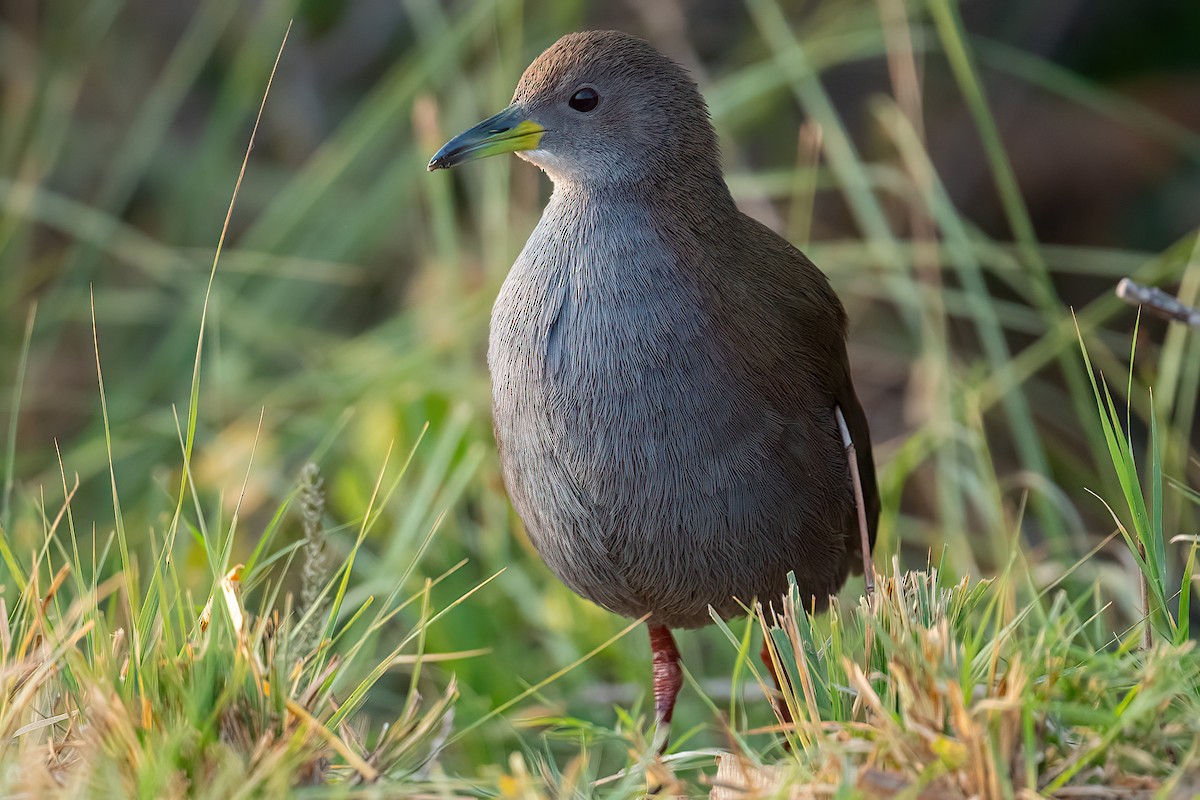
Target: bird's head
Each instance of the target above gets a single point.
(598, 108)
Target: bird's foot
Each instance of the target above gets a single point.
(662, 735)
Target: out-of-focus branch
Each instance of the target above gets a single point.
(1158, 302)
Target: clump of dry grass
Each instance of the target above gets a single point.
(969, 697)
(968, 694)
(225, 702)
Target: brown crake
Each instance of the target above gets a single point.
(667, 373)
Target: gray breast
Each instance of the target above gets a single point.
(650, 474)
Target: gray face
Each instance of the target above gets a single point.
(598, 108)
(612, 107)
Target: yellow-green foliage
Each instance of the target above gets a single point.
(186, 608)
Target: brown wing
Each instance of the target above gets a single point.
(796, 341)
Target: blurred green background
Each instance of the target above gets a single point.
(959, 219)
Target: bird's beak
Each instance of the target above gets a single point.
(507, 132)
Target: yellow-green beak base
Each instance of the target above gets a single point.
(507, 132)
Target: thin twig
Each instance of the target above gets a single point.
(1158, 302)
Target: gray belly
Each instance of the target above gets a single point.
(650, 476)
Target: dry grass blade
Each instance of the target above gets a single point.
(353, 759)
(948, 717)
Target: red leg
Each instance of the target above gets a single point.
(668, 678)
(781, 708)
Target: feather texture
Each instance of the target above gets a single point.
(665, 369)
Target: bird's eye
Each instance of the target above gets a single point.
(584, 100)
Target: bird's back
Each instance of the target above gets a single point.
(664, 410)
